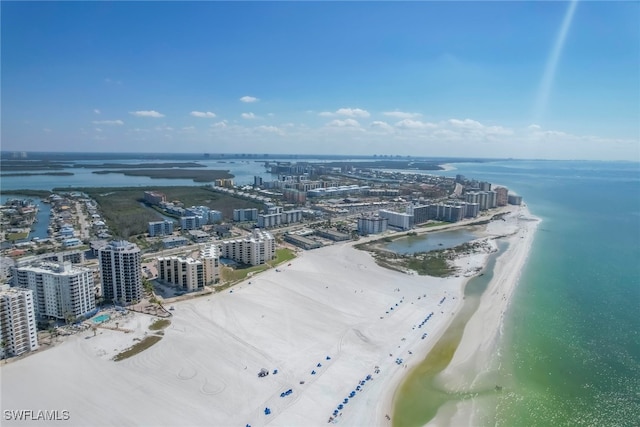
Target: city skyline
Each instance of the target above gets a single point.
(553, 80)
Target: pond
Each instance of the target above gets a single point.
(431, 241)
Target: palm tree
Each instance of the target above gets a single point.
(51, 330)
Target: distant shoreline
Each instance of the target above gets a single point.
(36, 173)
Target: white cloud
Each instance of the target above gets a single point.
(249, 99)
(381, 126)
(349, 112)
(108, 122)
(477, 129)
(148, 113)
(208, 114)
(353, 112)
(415, 124)
(47, 130)
(270, 129)
(401, 114)
(96, 111)
(248, 116)
(189, 128)
(164, 128)
(344, 123)
(219, 125)
(466, 124)
(98, 130)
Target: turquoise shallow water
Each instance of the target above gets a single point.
(571, 352)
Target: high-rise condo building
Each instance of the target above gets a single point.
(120, 272)
(17, 321)
(60, 290)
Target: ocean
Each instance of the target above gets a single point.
(571, 349)
(570, 354)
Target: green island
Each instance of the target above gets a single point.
(142, 165)
(37, 173)
(207, 175)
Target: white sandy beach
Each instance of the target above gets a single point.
(333, 312)
(473, 367)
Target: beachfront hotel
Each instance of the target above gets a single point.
(60, 290)
(255, 249)
(370, 224)
(189, 273)
(17, 321)
(120, 272)
(401, 220)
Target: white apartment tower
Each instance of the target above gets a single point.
(17, 321)
(120, 272)
(189, 273)
(60, 290)
(255, 249)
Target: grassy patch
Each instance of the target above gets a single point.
(432, 264)
(159, 324)
(137, 348)
(17, 236)
(235, 275)
(282, 255)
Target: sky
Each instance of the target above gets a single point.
(552, 80)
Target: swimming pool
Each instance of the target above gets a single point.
(101, 318)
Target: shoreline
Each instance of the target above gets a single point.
(472, 365)
(325, 323)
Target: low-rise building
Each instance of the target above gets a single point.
(174, 242)
(191, 222)
(302, 241)
(160, 228)
(334, 235)
(199, 236)
(154, 197)
(243, 215)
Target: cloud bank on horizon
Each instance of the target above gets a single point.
(415, 78)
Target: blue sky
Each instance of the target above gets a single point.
(414, 78)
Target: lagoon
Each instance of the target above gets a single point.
(431, 241)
